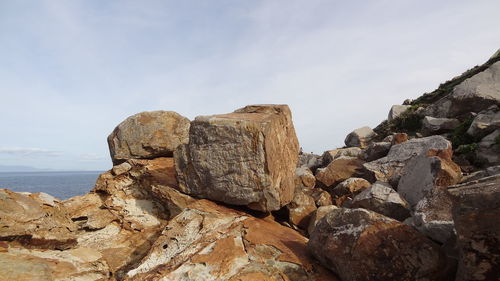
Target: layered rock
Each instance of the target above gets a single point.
(35, 221)
(476, 208)
(360, 137)
(211, 242)
(147, 135)
(247, 157)
(358, 244)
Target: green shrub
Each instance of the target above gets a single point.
(459, 135)
(467, 148)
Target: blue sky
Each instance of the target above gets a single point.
(70, 71)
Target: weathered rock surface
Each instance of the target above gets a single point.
(301, 209)
(304, 178)
(310, 161)
(329, 155)
(318, 215)
(434, 126)
(210, 242)
(381, 198)
(17, 263)
(35, 221)
(432, 216)
(360, 137)
(375, 151)
(320, 196)
(147, 135)
(247, 157)
(396, 138)
(347, 189)
(488, 151)
(388, 169)
(476, 209)
(339, 170)
(474, 94)
(396, 111)
(485, 122)
(358, 244)
(425, 173)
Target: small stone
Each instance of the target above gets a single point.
(339, 170)
(347, 189)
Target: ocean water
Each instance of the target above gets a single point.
(62, 185)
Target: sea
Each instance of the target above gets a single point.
(62, 185)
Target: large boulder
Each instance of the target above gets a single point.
(375, 151)
(147, 135)
(247, 157)
(434, 126)
(301, 209)
(474, 94)
(318, 215)
(388, 169)
(432, 216)
(381, 198)
(210, 242)
(358, 244)
(339, 170)
(424, 173)
(485, 122)
(360, 137)
(476, 209)
(396, 111)
(488, 150)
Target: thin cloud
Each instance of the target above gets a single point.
(91, 157)
(29, 151)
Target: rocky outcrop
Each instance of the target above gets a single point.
(476, 208)
(247, 157)
(210, 242)
(474, 94)
(148, 135)
(35, 221)
(360, 137)
(358, 244)
(381, 198)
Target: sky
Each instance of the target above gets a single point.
(70, 71)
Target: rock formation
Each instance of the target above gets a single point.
(231, 197)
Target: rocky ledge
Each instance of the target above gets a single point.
(231, 197)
